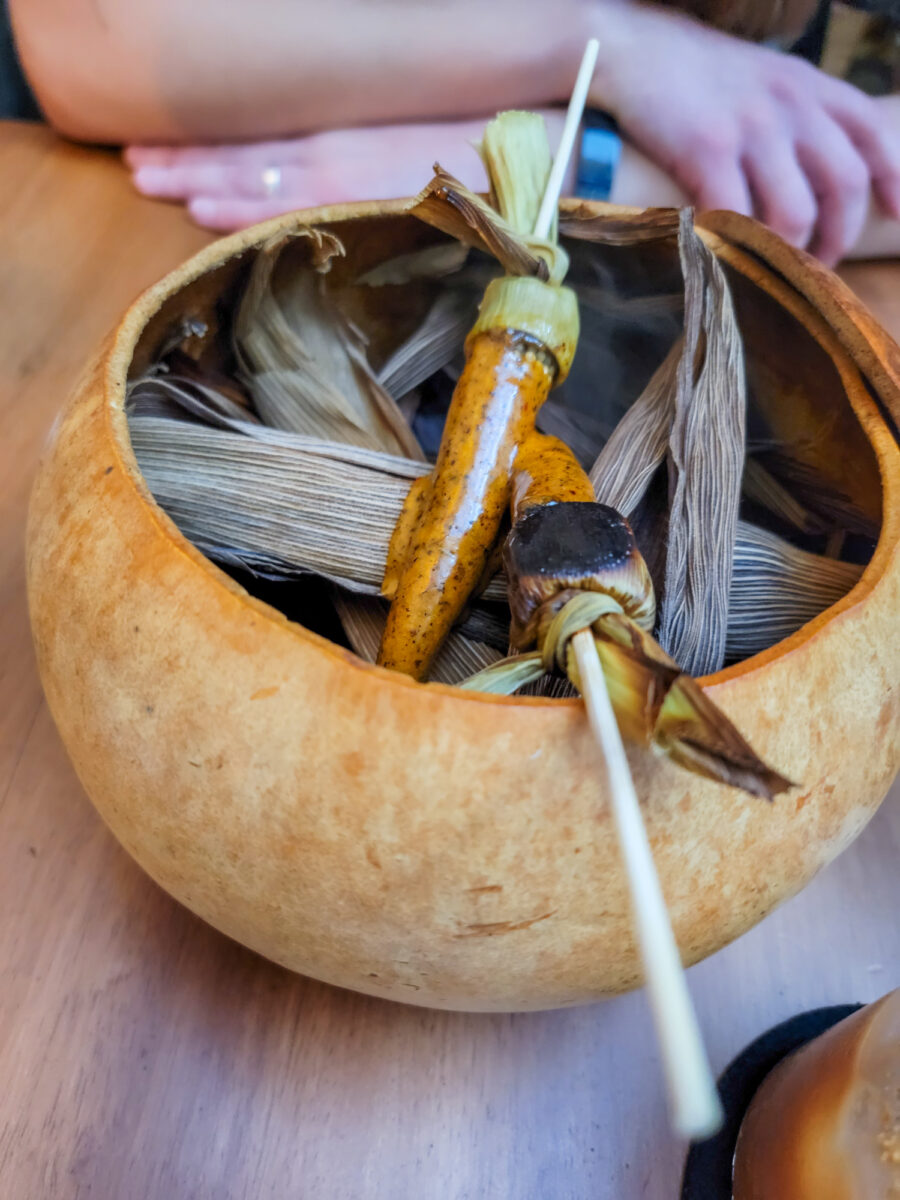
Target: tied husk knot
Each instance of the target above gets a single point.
(516, 153)
(655, 703)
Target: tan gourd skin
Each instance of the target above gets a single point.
(505, 381)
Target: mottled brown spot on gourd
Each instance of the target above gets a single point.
(264, 693)
(352, 764)
(493, 928)
(887, 716)
(373, 858)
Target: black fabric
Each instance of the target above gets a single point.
(16, 97)
(811, 43)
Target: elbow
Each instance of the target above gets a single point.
(81, 110)
(85, 82)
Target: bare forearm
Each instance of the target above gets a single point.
(140, 70)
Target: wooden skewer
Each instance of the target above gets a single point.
(567, 141)
(694, 1102)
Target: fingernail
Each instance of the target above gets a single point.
(150, 179)
(202, 209)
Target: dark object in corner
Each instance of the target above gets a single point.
(707, 1172)
(16, 97)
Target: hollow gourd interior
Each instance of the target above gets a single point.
(631, 301)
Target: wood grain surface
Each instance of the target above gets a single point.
(142, 1055)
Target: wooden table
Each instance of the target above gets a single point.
(142, 1055)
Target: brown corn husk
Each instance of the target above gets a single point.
(764, 489)
(692, 413)
(829, 508)
(448, 205)
(624, 227)
(706, 457)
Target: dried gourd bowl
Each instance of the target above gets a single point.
(418, 842)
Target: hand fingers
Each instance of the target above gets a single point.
(224, 214)
(839, 178)
(876, 137)
(722, 184)
(783, 198)
(238, 154)
(301, 189)
(180, 180)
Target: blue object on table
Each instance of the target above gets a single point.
(599, 154)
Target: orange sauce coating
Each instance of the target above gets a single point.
(547, 472)
(504, 383)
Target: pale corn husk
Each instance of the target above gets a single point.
(432, 345)
(305, 364)
(285, 507)
(516, 153)
(547, 313)
(639, 444)
(431, 262)
(783, 585)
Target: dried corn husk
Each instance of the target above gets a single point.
(516, 154)
(639, 444)
(776, 588)
(287, 505)
(432, 345)
(654, 701)
(283, 503)
(763, 488)
(363, 618)
(830, 508)
(283, 507)
(706, 458)
(305, 364)
(692, 414)
(451, 207)
(431, 262)
(621, 228)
